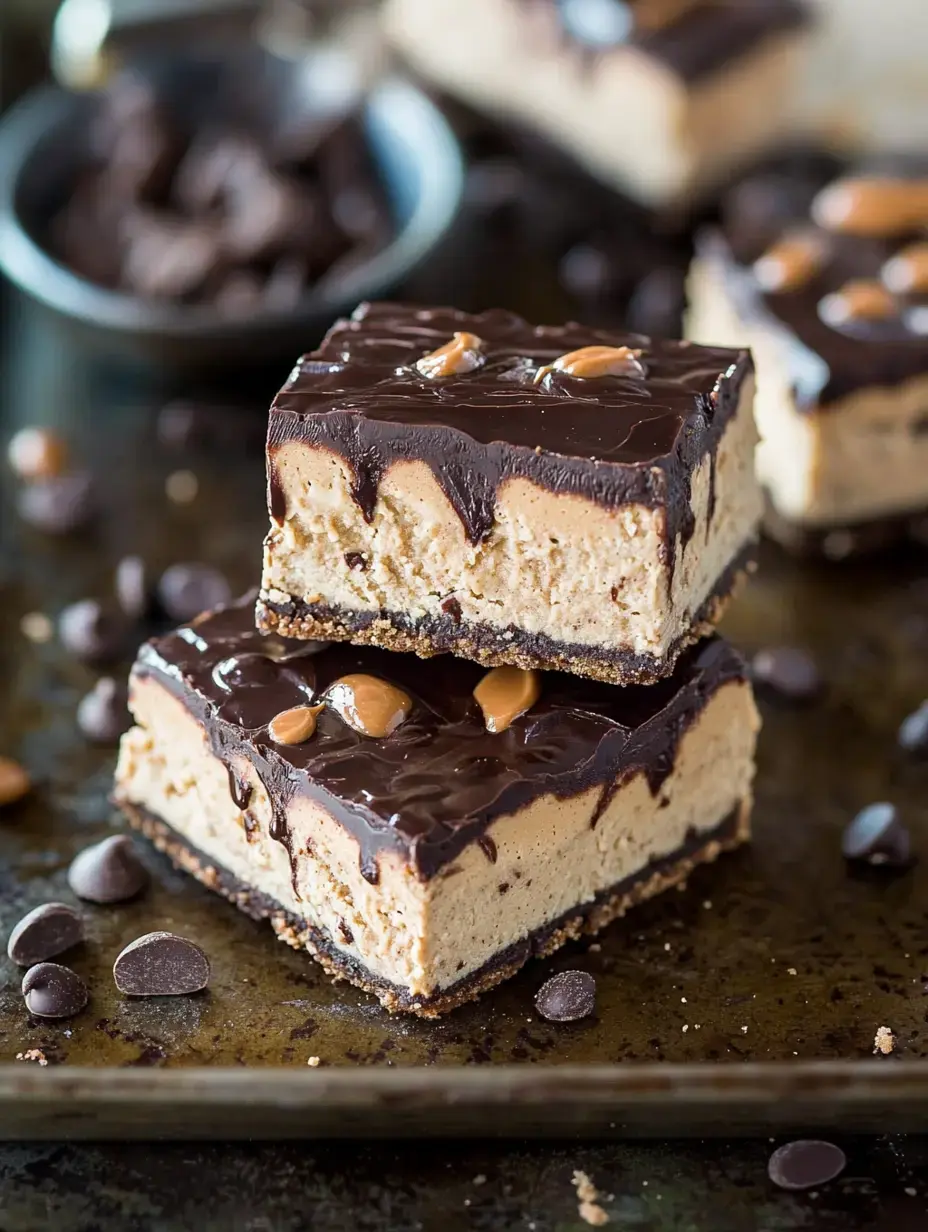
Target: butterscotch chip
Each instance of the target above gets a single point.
(791, 263)
(294, 726)
(595, 361)
(872, 206)
(368, 704)
(907, 272)
(462, 354)
(36, 453)
(861, 300)
(506, 692)
(14, 781)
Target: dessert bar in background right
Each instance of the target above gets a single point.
(825, 277)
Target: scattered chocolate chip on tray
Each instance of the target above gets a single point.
(108, 872)
(185, 590)
(878, 836)
(103, 714)
(805, 1164)
(92, 631)
(52, 991)
(161, 964)
(567, 997)
(45, 932)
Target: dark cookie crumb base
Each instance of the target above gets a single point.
(847, 540)
(608, 905)
(494, 647)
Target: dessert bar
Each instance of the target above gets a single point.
(827, 282)
(661, 98)
(423, 829)
(538, 497)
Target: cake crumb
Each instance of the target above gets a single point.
(884, 1041)
(33, 1054)
(314, 1062)
(791, 971)
(588, 1196)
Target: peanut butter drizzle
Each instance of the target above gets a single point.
(294, 726)
(907, 272)
(460, 355)
(595, 361)
(872, 206)
(861, 300)
(368, 704)
(790, 263)
(655, 14)
(504, 693)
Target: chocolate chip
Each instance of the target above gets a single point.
(45, 932)
(913, 732)
(108, 872)
(36, 453)
(58, 505)
(188, 589)
(91, 631)
(356, 561)
(103, 714)
(877, 836)
(567, 997)
(805, 1164)
(14, 781)
(133, 587)
(161, 965)
(788, 671)
(452, 607)
(53, 992)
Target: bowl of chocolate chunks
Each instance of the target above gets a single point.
(209, 212)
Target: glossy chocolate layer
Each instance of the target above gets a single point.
(439, 781)
(612, 439)
(826, 363)
(694, 44)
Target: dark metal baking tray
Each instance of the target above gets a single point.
(780, 962)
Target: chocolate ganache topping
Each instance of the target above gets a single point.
(438, 782)
(833, 261)
(635, 435)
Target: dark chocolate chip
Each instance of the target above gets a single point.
(108, 872)
(877, 836)
(44, 933)
(52, 991)
(58, 505)
(788, 671)
(161, 965)
(913, 732)
(186, 590)
(356, 560)
(567, 997)
(452, 607)
(103, 715)
(805, 1164)
(134, 590)
(91, 631)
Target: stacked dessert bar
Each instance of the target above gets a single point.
(480, 707)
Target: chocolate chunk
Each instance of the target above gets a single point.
(14, 781)
(168, 258)
(52, 991)
(36, 453)
(91, 631)
(44, 933)
(788, 671)
(913, 732)
(108, 872)
(133, 587)
(567, 997)
(161, 965)
(356, 561)
(188, 589)
(58, 505)
(805, 1164)
(877, 836)
(103, 714)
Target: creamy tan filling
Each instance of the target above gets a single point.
(554, 564)
(864, 456)
(425, 936)
(623, 114)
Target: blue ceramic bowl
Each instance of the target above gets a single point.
(43, 145)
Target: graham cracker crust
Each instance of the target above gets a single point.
(495, 647)
(590, 918)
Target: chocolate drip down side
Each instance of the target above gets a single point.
(441, 779)
(613, 440)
